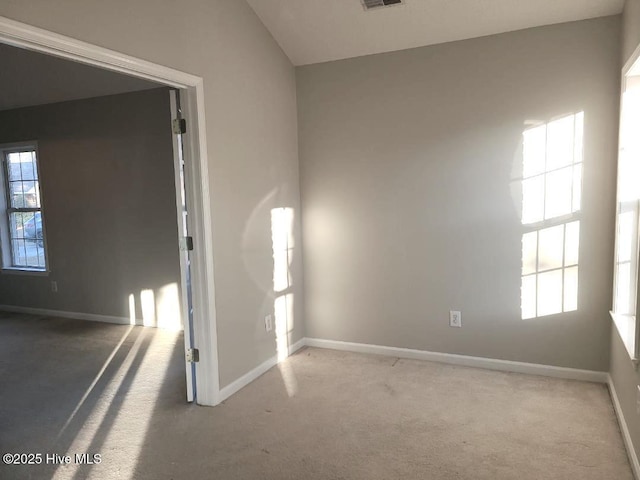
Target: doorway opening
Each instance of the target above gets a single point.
(191, 188)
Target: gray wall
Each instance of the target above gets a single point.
(106, 167)
(250, 107)
(411, 204)
(625, 378)
(64, 80)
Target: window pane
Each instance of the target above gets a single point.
(550, 248)
(34, 254)
(550, 293)
(19, 252)
(571, 289)
(624, 285)
(23, 180)
(630, 118)
(626, 237)
(27, 239)
(558, 196)
(24, 194)
(560, 138)
(28, 253)
(533, 199)
(628, 172)
(16, 227)
(28, 165)
(13, 165)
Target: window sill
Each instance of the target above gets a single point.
(626, 325)
(25, 271)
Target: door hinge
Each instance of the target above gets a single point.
(179, 126)
(186, 244)
(193, 355)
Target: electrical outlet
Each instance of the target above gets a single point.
(268, 322)
(455, 318)
(54, 286)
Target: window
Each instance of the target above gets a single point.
(551, 196)
(23, 239)
(625, 285)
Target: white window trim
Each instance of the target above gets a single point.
(5, 240)
(627, 325)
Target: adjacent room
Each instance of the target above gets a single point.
(269, 239)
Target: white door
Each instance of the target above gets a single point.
(184, 241)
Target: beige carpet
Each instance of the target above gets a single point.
(321, 415)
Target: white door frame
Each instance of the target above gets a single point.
(32, 38)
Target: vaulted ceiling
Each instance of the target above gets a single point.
(313, 31)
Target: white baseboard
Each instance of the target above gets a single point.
(250, 376)
(75, 315)
(626, 436)
(464, 360)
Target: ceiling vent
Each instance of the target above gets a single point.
(372, 4)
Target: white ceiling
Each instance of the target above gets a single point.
(29, 78)
(313, 31)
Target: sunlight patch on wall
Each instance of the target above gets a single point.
(282, 237)
(550, 270)
(132, 309)
(283, 243)
(168, 307)
(551, 200)
(160, 308)
(148, 304)
(283, 308)
(552, 169)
